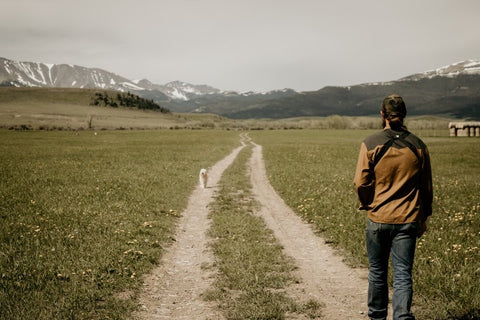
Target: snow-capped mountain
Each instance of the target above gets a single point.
(449, 90)
(452, 90)
(35, 74)
(185, 91)
(467, 67)
(177, 89)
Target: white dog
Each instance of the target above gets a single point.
(203, 178)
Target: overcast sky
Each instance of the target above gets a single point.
(245, 45)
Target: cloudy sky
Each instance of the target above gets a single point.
(245, 45)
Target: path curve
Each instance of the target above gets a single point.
(173, 289)
(323, 275)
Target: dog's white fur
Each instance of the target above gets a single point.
(203, 178)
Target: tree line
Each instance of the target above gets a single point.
(128, 100)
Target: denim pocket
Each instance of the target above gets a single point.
(411, 228)
(372, 227)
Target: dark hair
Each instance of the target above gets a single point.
(395, 123)
(394, 110)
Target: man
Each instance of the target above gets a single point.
(393, 181)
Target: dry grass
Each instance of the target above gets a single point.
(70, 109)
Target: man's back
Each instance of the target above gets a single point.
(393, 182)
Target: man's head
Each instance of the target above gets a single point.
(393, 106)
(393, 110)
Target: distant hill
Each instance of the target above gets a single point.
(76, 109)
(455, 97)
(452, 90)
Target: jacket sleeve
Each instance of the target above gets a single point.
(363, 181)
(427, 186)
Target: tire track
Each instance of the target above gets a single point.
(173, 289)
(323, 275)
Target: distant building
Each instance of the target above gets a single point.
(464, 129)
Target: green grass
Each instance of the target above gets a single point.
(253, 272)
(448, 257)
(313, 171)
(84, 216)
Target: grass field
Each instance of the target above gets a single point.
(84, 216)
(313, 171)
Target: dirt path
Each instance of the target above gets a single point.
(323, 275)
(173, 289)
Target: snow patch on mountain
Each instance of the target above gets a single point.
(131, 86)
(468, 67)
(178, 95)
(50, 66)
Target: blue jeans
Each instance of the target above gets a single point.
(399, 240)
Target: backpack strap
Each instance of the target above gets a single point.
(382, 151)
(389, 143)
(409, 145)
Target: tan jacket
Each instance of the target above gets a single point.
(399, 189)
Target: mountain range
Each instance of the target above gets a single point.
(452, 90)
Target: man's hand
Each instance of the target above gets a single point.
(423, 228)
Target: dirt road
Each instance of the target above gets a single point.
(173, 290)
(323, 274)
